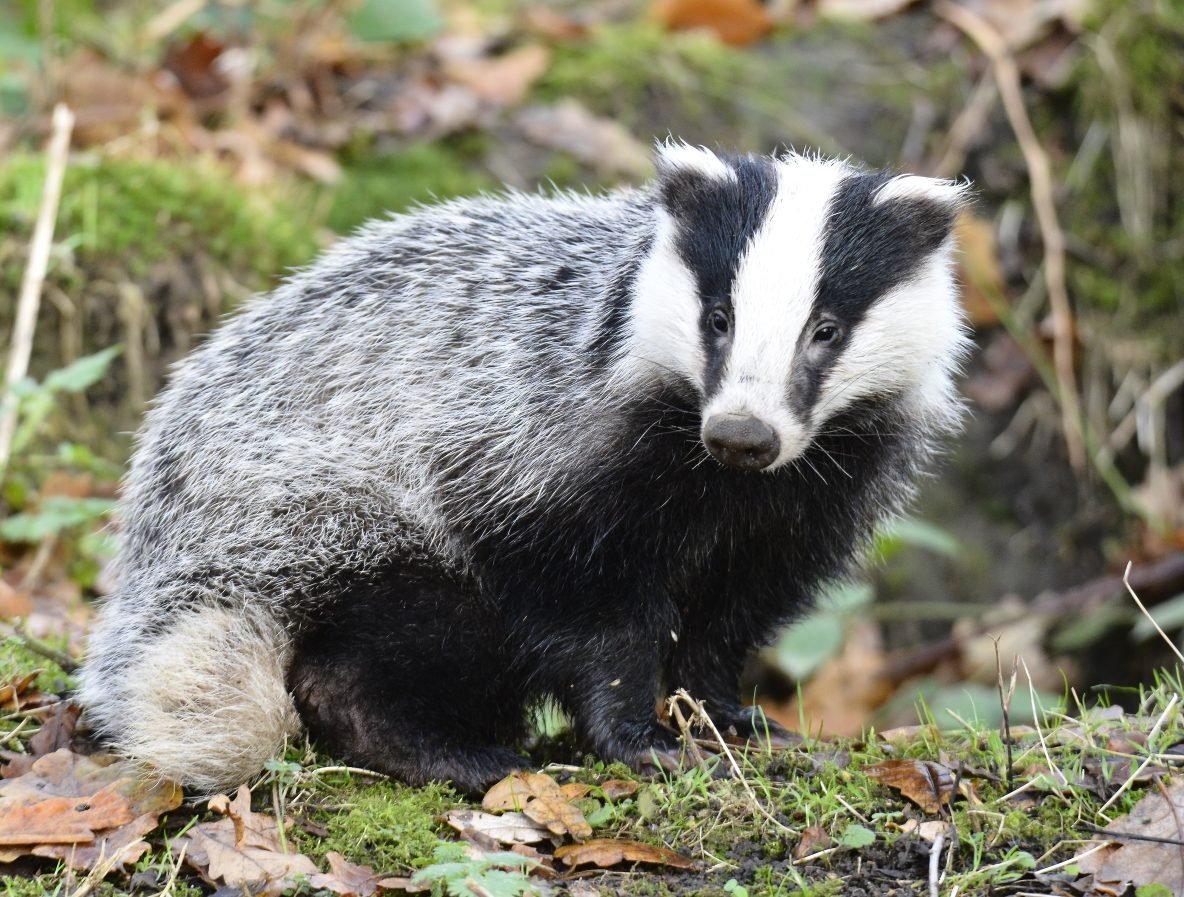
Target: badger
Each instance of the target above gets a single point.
(523, 448)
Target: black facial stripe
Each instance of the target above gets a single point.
(867, 250)
(715, 220)
(611, 329)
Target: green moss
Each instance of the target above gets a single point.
(626, 70)
(1127, 87)
(376, 185)
(139, 212)
(393, 827)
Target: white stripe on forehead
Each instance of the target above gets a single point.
(773, 292)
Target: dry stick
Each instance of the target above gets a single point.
(1007, 76)
(935, 863)
(1126, 581)
(30, 295)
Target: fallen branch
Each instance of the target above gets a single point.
(30, 296)
(1007, 77)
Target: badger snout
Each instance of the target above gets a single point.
(741, 441)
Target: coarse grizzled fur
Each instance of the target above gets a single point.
(465, 463)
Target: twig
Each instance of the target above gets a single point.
(703, 719)
(65, 661)
(30, 296)
(1126, 581)
(1007, 76)
(1005, 706)
(1134, 776)
(935, 863)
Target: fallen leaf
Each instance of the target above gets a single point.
(615, 789)
(929, 830)
(982, 274)
(602, 144)
(18, 692)
(243, 850)
(14, 602)
(346, 878)
(606, 852)
(814, 839)
(927, 784)
(56, 732)
(735, 22)
(541, 799)
(501, 80)
(575, 790)
(508, 828)
(1140, 863)
(82, 809)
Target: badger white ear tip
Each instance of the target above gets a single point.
(671, 155)
(914, 186)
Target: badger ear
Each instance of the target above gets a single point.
(948, 195)
(685, 170)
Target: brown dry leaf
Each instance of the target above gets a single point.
(508, 828)
(346, 878)
(607, 852)
(575, 790)
(735, 22)
(1140, 863)
(617, 788)
(840, 697)
(1004, 374)
(813, 840)
(602, 144)
(540, 798)
(243, 850)
(553, 25)
(982, 274)
(18, 692)
(127, 842)
(14, 602)
(501, 80)
(927, 784)
(95, 805)
(56, 732)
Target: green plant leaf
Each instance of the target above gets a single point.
(806, 645)
(80, 374)
(52, 517)
(1168, 614)
(909, 532)
(399, 21)
(857, 836)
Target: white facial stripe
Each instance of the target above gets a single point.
(666, 314)
(773, 294)
(698, 159)
(908, 340)
(912, 186)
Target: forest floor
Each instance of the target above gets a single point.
(216, 145)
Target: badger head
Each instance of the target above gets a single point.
(786, 290)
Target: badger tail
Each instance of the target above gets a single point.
(202, 702)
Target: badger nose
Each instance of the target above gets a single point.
(743, 442)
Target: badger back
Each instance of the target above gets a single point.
(788, 291)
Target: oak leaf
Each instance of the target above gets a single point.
(243, 850)
(927, 784)
(540, 798)
(83, 810)
(606, 852)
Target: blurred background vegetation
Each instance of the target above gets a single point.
(216, 145)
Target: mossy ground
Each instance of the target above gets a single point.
(742, 831)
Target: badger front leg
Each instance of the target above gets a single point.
(611, 685)
(728, 616)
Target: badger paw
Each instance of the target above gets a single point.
(750, 724)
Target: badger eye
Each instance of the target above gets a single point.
(720, 322)
(826, 334)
